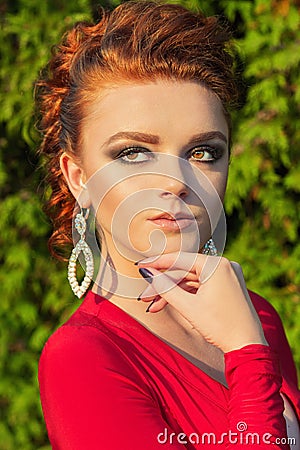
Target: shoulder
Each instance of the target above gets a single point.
(275, 334)
(265, 310)
(88, 383)
(81, 347)
(269, 317)
(86, 363)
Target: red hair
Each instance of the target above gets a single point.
(138, 41)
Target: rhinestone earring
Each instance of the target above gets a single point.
(81, 246)
(210, 248)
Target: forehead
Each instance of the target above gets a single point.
(167, 108)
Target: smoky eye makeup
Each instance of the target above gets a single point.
(206, 153)
(197, 152)
(133, 154)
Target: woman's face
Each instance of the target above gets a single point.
(149, 153)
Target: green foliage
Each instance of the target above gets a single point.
(262, 200)
(263, 192)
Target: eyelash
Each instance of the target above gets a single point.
(215, 152)
(131, 151)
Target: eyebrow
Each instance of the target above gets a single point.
(134, 136)
(153, 139)
(207, 136)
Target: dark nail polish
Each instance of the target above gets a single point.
(153, 301)
(146, 274)
(139, 298)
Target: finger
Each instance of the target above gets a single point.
(189, 286)
(158, 304)
(148, 294)
(170, 261)
(203, 266)
(176, 275)
(181, 274)
(169, 291)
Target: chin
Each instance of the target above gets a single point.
(159, 243)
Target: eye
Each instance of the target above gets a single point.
(134, 155)
(205, 153)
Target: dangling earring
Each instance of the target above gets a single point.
(210, 248)
(81, 246)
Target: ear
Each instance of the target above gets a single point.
(75, 177)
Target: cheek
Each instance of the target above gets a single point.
(220, 185)
(119, 205)
(218, 178)
(109, 206)
(211, 185)
(121, 217)
(211, 198)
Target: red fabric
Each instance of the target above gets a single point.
(108, 383)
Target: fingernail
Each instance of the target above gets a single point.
(146, 274)
(139, 298)
(147, 310)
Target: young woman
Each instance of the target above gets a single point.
(168, 348)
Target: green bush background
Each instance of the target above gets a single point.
(262, 200)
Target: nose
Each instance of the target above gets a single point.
(173, 187)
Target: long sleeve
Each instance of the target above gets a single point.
(255, 405)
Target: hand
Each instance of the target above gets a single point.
(216, 305)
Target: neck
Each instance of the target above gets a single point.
(118, 277)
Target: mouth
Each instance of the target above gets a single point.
(173, 222)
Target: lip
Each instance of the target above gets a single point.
(172, 222)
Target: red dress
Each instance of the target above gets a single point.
(108, 383)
